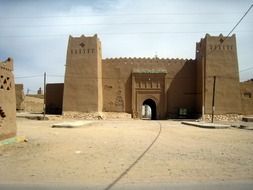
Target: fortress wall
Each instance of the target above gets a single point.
(182, 88)
(199, 78)
(20, 97)
(247, 97)
(82, 85)
(221, 61)
(92, 84)
(7, 100)
(117, 86)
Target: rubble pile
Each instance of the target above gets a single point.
(223, 117)
(92, 116)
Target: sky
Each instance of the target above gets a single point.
(35, 33)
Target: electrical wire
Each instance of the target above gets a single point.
(115, 33)
(115, 24)
(30, 76)
(78, 76)
(120, 15)
(227, 36)
(176, 32)
(247, 69)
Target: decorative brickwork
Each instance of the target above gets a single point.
(7, 100)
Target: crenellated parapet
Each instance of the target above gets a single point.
(7, 64)
(145, 61)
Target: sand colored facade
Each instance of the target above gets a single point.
(168, 86)
(7, 100)
(83, 77)
(20, 97)
(217, 57)
(247, 97)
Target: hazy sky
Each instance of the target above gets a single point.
(35, 32)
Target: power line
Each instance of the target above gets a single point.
(120, 15)
(240, 20)
(222, 41)
(114, 24)
(247, 69)
(30, 76)
(79, 76)
(117, 33)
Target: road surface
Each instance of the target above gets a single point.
(230, 185)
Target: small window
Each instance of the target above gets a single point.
(182, 111)
(247, 94)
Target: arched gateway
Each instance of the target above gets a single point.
(149, 106)
(148, 88)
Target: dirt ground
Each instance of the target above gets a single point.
(106, 151)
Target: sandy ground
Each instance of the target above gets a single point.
(103, 151)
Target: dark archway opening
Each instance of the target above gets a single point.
(149, 109)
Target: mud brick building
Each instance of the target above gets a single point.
(247, 97)
(20, 97)
(171, 87)
(7, 100)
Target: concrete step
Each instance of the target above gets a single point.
(206, 125)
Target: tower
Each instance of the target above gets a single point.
(83, 75)
(217, 58)
(8, 126)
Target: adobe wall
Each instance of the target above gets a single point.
(218, 57)
(247, 97)
(54, 98)
(83, 81)
(20, 97)
(34, 103)
(7, 100)
(180, 82)
(92, 84)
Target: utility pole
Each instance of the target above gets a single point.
(213, 107)
(44, 105)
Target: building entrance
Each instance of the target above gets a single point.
(148, 94)
(149, 109)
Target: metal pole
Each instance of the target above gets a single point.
(213, 107)
(44, 105)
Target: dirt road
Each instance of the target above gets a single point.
(103, 151)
